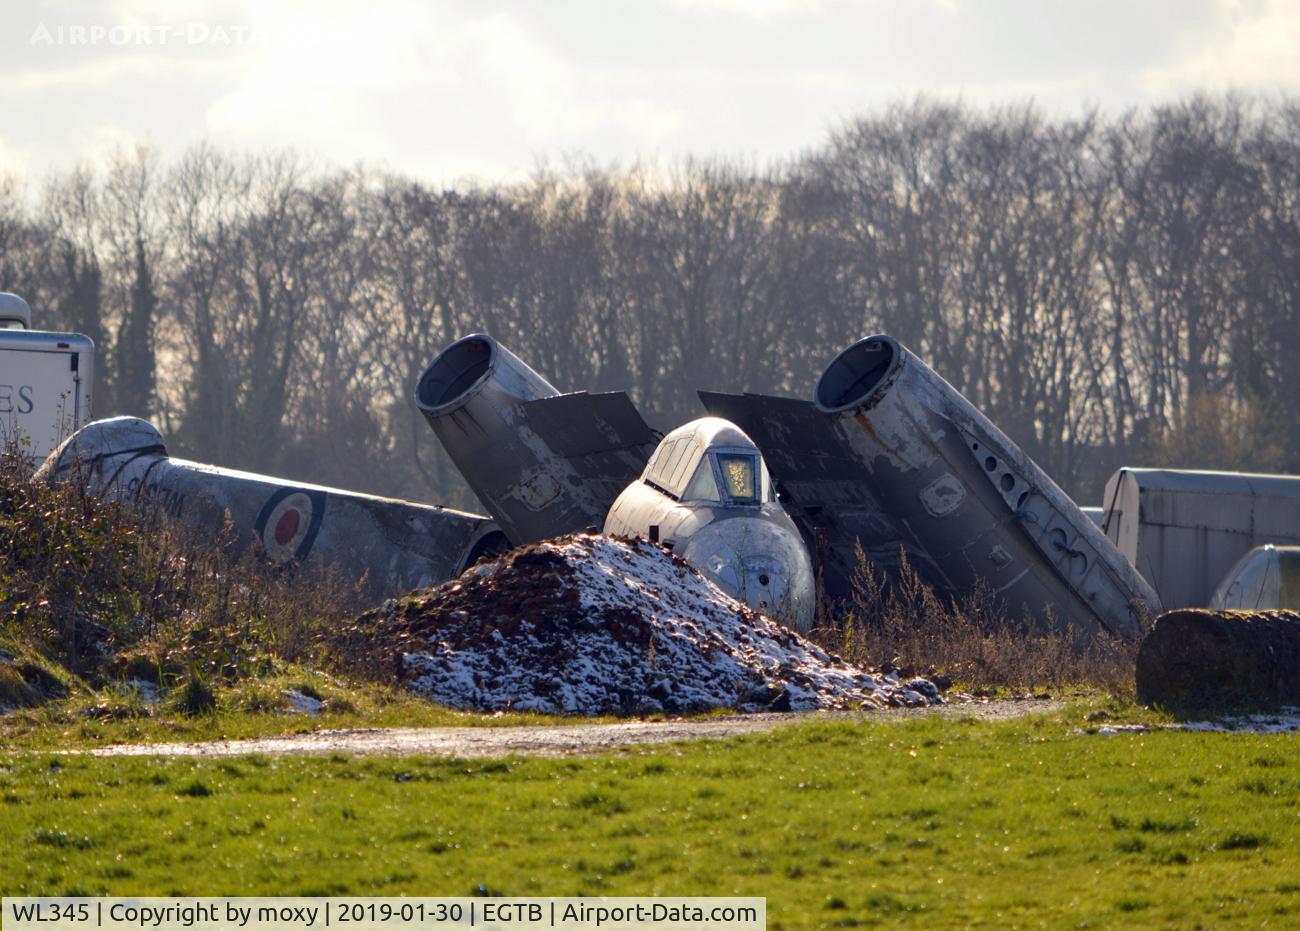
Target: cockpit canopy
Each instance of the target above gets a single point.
(710, 460)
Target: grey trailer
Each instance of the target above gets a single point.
(1265, 579)
(890, 456)
(1184, 529)
(541, 462)
(396, 545)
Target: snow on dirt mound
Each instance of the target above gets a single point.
(588, 624)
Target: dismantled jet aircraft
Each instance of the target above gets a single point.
(545, 463)
(397, 545)
(891, 457)
(541, 462)
(888, 457)
(707, 496)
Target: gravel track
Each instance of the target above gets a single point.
(548, 740)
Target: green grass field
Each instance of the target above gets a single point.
(931, 821)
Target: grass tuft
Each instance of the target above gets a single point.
(195, 696)
(196, 789)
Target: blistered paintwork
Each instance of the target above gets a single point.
(820, 485)
(903, 467)
(395, 545)
(759, 559)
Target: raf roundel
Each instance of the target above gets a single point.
(288, 523)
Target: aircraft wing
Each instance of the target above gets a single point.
(602, 438)
(820, 483)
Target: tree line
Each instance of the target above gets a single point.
(1109, 289)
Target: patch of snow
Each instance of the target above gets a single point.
(1285, 721)
(590, 625)
(147, 690)
(302, 704)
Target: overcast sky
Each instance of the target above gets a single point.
(447, 89)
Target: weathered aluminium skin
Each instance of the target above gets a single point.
(883, 464)
(545, 464)
(968, 500)
(542, 463)
(750, 548)
(397, 545)
(820, 484)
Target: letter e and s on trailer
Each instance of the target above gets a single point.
(45, 381)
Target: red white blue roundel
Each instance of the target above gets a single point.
(288, 523)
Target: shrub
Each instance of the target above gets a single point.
(112, 595)
(972, 639)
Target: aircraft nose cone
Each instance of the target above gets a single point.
(759, 562)
(764, 582)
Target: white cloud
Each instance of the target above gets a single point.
(101, 143)
(153, 11)
(317, 80)
(15, 159)
(451, 88)
(88, 74)
(1253, 45)
(329, 75)
(549, 98)
(753, 9)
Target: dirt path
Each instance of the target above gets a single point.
(545, 740)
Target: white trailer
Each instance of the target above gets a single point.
(45, 381)
(1185, 529)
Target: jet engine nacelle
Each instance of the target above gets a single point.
(706, 494)
(542, 463)
(398, 545)
(973, 506)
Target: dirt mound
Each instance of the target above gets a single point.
(591, 625)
